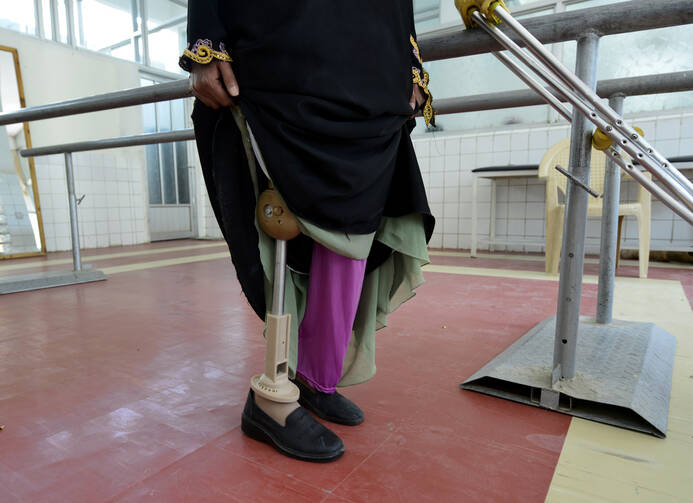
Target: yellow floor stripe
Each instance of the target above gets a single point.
(516, 274)
(138, 266)
(540, 258)
(604, 463)
(107, 256)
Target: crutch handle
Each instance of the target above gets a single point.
(488, 8)
(602, 141)
(466, 9)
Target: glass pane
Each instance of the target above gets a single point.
(168, 168)
(46, 21)
(62, 20)
(164, 11)
(642, 53)
(166, 22)
(152, 154)
(182, 167)
(166, 46)
(19, 17)
(168, 165)
(153, 174)
(178, 114)
(163, 116)
(106, 26)
(149, 116)
(124, 52)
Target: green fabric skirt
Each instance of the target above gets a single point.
(384, 289)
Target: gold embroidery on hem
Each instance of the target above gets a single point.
(428, 111)
(203, 52)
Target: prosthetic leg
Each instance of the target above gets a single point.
(278, 222)
(297, 434)
(612, 131)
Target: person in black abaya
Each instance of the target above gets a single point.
(329, 89)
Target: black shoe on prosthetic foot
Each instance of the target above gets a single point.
(332, 407)
(302, 437)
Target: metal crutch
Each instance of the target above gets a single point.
(589, 104)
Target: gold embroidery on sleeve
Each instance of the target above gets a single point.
(203, 52)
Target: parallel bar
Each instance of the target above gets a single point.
(622, 17)
(130, 97)
(575, 222)
(74, 225)
(609, 231)
(123, 141)
(629, 86)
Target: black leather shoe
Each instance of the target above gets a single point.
(302, 438)
(331, 407)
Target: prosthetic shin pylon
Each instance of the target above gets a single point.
(274, 384)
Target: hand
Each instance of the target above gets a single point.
(417, 98)
(214, 83)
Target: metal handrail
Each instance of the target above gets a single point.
(443, 44)
(122, 141)
(629, 86)
(118, 99)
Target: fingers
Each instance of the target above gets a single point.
(418, 95)
(229, 78)
(209, 87)
(200, 90)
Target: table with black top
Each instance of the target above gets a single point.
(683, 162)
(493, 173)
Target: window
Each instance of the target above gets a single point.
(166, 24)
(20, 17)
(110, 27)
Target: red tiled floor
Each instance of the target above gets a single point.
(131, 390)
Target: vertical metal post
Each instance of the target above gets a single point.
(38, 16)
(80, 24)
(609, 230)
(55, 20)
(70, 24)
(475, 201)
(573, 250)
(72, 201)
(144, 29)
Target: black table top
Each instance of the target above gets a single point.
(522, 167)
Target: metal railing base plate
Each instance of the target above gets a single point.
(623, 374)
(26, 282)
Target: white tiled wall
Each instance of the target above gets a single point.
(206, 221)
(114, 209)
(447, 159)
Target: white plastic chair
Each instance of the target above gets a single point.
(555, 210)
